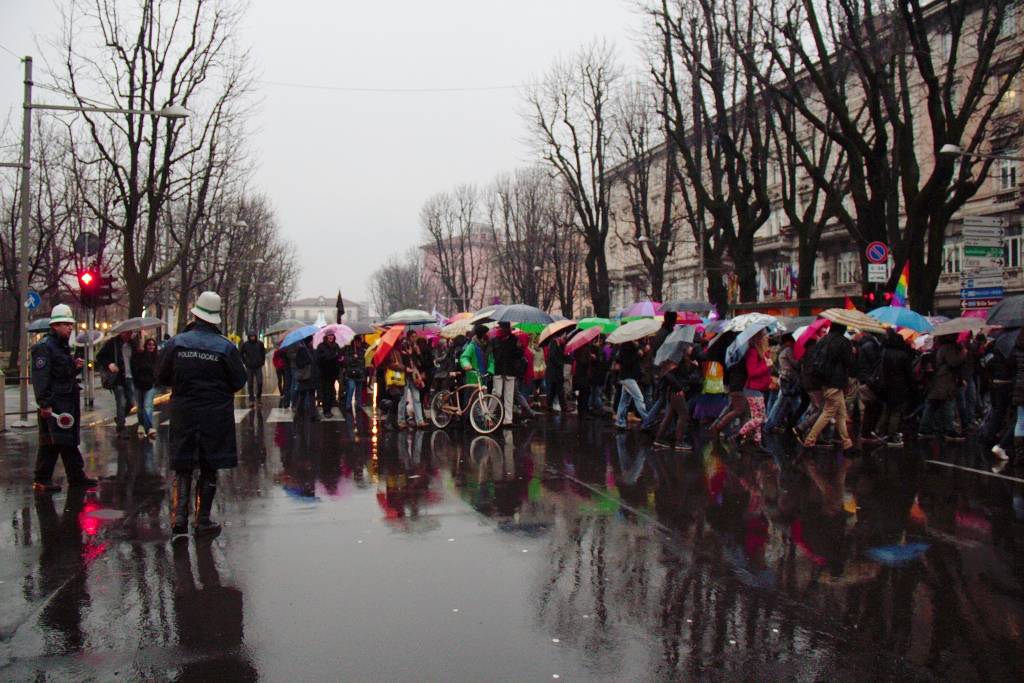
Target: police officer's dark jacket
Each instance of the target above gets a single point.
(55, 382)
(203, 370)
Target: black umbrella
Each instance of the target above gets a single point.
(687, 305)
(1009, 312)
(521, 313)
(1005, 342)
(675, 344)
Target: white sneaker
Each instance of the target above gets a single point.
(998, 451)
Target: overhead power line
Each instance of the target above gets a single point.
(342, 88)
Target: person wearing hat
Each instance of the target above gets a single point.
(55, 382)
(203, 370)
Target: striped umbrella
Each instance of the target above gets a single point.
(853, 318)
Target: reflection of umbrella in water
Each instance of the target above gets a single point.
(674, 345)
(134, 324)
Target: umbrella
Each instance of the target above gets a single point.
(636, 329)
(738, 349)
(672, 348)
(521, 313)
(409, 316)
(555, 328)
(133, 324)
(582, 338)
(343, 334)
(741, 322)
(936, 319)
(485, 314)
(83, 337)
(1009, 312)
(283, 326)
(958, 325)
(923, 342)
(687, 305)
(688, 318)
(387, 342)
(793, 323)
(370, 350)
(853, 318)
(297, 335)
(359, 328)
(809, 333)
(607, 326)
(1005, 342)
(453, 330)
(39, 325)
(642, 309)
(901, 317)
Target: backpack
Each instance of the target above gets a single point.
(820, 362)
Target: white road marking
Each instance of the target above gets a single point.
(977, 471)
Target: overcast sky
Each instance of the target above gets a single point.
(348, 171)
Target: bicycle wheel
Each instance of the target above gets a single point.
(438, 415)
(486, 413)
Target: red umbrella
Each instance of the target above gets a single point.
(581, 339)
(810, 333)
(387, 342)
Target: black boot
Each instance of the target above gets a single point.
(206, 489)
(181, 488)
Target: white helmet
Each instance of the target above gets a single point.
(61, 313)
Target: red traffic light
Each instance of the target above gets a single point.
(86, 278)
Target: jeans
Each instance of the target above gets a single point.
(505, 389)
(146, 408)
(784, 406)
(411, 393)
(123, 402)
(286, 389)
(353, 392)
(1018, 429)
(653, 413)
(630, 394)
(255, 382)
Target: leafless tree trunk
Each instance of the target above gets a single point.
(458, 255)
(397, 284)
(573, 125)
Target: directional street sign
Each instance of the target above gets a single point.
(991, 252)
(985, 221)
(978, 303)
(972, 263)
(32, 300)
(877, 252)
(980, 283)
(982, 293)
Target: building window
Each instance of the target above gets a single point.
(1010, 102)
(946, 40)
(1008, 28)
(1007, 171)
(847, 269)
(952, 257)
(1013, 246)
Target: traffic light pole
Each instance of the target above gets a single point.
(26, 161)
(90, 318)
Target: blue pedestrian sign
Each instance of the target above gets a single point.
(32, 300)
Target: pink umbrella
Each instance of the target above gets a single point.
(643, 309)
(581, 339)
(343, 334)
(810, 333)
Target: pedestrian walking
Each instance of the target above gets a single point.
(414, 382)
(939, 418)
(203, 370)
(55, 384)
(508, 363)
(144, 364)
(897, 381)
(788, 399)
(629, 362)
(306, 378)
(328, 359)
(759, 376)
(283, 369)
(115, 363)
(254, 355)
(832, 366)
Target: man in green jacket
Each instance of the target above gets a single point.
(475, 356)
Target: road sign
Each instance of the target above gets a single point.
(32, 300)
(985, 221)
(978, 303)
(991, 252)
(878, 272)
(982, 293)
(972, 263)
(87, 244)
(987, 242)
(877, 252)
(982, 230)
(980, 283)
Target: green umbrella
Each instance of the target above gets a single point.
(607, 326)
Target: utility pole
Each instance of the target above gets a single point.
(26, 167)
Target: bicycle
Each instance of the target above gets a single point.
(485, 410)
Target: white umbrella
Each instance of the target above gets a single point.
(133, 324)
(958, 325)
(636, 329)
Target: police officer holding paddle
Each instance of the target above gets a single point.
(55, 383)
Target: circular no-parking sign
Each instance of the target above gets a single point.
(877, 252)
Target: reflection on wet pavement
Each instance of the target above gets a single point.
(562, 550)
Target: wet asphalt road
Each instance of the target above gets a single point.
(558, 550)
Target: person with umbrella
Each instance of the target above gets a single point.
(55, 384)
(676, 380)
(629, 360)
(554, 374)
(785, 406)
(328, 358)
(144, 378)
(306, 376)
(668, 324)
(508, 362)
(203, 370)
(353, 369)
(939, 415)
(115, 362)
(254, 355)
(759, 377)
(836, 357)
(897, 379)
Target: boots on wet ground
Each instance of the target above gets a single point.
(180, 500)
(206, 489)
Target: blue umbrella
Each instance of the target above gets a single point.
(297, 335)
(738, 349)
(901, 317)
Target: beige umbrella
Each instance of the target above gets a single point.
(853, 318)
(554, 328)
(464, 326)
(633, 330)
(958, 325)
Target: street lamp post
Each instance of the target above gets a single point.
(955, 151)
(171, 112)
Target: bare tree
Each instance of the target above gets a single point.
(568, 251)
(572, 121)
(165, 52)
(397, 284)
(458, 255)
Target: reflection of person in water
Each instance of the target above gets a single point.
(208, 620)
(62, 569)
(820, 527)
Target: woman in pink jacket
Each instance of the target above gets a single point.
(759, 379)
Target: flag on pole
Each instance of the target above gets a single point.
(849, 305)
(902, 292)
(340, 305)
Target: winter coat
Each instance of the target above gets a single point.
(789, 366)
(629, 359)
(328, 357)
(839, 352)
(303, 357)
(254, 354)
(55, 383)
(144, 369)
(507, 354)
(555, 360)
(897, 370)
(113, 352)
(808, 380)
(1018, 367)
(475, 360)
(949, 358)
(203, 370)
(869, 356)
(759, 375)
